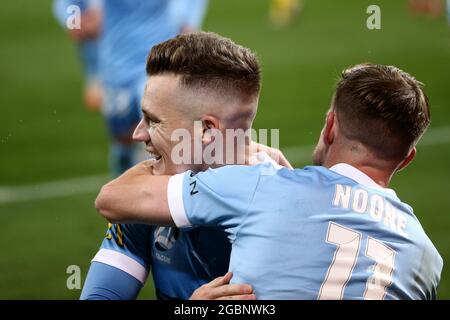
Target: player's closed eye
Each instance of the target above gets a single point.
(150, 122)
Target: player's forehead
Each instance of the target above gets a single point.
(146, 98)
(154, 94)
(162, 95)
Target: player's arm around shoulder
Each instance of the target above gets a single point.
(137, 196)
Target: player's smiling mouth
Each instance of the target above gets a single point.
(153, 155)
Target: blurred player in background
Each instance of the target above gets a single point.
(282, 12)
(87, 45)
(330, 231)
(130, 29)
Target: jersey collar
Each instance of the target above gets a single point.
(351, 172)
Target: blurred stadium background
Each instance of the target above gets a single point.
(54, 153)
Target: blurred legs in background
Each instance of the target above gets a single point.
(122, 156)
(122, 112)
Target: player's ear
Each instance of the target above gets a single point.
(408, 159)
(209, 124)
(330, 128)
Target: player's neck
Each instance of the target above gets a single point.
(375, 169)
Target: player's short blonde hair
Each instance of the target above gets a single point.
(207, 60)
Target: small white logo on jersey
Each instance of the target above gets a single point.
(165, 238)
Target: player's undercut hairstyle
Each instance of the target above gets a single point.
(382, 107)
(207, 60)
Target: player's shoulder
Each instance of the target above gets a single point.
(228, 180)
(250, 175)
(242, 171)
(226, 175)
(305, 174)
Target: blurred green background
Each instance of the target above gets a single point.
(47, 136)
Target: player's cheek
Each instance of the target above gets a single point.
(164, 143)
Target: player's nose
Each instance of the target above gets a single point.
(141, 134)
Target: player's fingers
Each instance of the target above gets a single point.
(279, 157)
(220, 281)
(231, 290)
(283, 161)
(212, 290)
(239, 297)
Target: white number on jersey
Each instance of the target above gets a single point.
(348, 245)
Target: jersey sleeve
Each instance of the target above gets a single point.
(127, 247)
(104, 282)
(217, 197)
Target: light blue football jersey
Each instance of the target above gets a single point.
(312, 233)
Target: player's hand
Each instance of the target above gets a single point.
(275, 154)
(93, 96)
(221, 289)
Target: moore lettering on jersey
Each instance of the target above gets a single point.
(377, 207)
